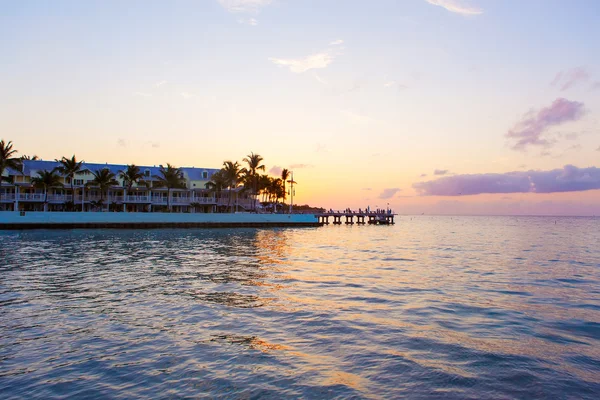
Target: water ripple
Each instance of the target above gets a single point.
(433, 307)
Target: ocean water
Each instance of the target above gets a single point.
(432, 307)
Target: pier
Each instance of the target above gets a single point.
(382, 217)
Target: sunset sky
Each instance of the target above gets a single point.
(432, 106)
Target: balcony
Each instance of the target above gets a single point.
(7, 197)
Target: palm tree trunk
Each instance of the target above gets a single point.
(229, 199)
(45, 199)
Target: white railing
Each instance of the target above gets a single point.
(137, 199)
(7, 197)
(60, 198)
(203, 200)
(31, 196)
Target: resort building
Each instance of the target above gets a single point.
(17, 193)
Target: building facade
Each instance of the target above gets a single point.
(18, 194)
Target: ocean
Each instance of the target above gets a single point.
(432, 307)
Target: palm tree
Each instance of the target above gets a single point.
(46, 180)
(233, 174)
(131, 175)
(264, 181)
(68, 168)
(285, 174)
(254, 164)
(217, 182)
(104, 179)
(8, 159)
(275, 190)
(29, 158)
(171, 178)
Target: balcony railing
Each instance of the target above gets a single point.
(158, 200)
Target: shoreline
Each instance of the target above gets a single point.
(16, 220)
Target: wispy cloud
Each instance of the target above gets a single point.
(440, 172)
(394, 84)
(595, 86)
(142, 94)
(248, 21)
(187, 95)
(356, 118)
(598, 149)
(569, 78)
(336, 42)
(121, 142)
(321, 148)
(300, 65)
(530, 130)
(456, 6)
(159, 84)
(567, 179)
(389, 193)
(154, 145)
(423, 175)
(244, 6)
(299, 166)
(321, 80)
(367, 189)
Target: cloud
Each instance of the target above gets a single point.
(299, 166)
(456, 6)
(121, 142)
(248, 21)
(154, 145)
(142, 94)
(423, 175)
(598, 149)
(569, 78)
(300, 65)
(244, 6)
(595, 86)
(567, 179)
(187, 95)
(367, 189)
(321, 80)
(321, 148)
(440, 172)
(392, 84)
(336, 42)
(159, 84)
(389, 193)
(529, 131)
(276, 170)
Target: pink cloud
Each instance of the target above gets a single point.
(275, 170)
(567, 79)
(529, 131)
(440, 172)
(389, 193)
(567, 179)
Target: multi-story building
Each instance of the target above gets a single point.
(18, 194)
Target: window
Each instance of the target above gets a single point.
(147, 172)
(204, 174)
(78, 182)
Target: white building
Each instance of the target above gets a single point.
(18, 194)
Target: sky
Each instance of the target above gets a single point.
(425, 106)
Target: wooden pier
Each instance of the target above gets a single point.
(362, 218)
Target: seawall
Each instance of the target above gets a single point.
(70, 220)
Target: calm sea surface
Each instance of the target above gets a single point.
(433, 307)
